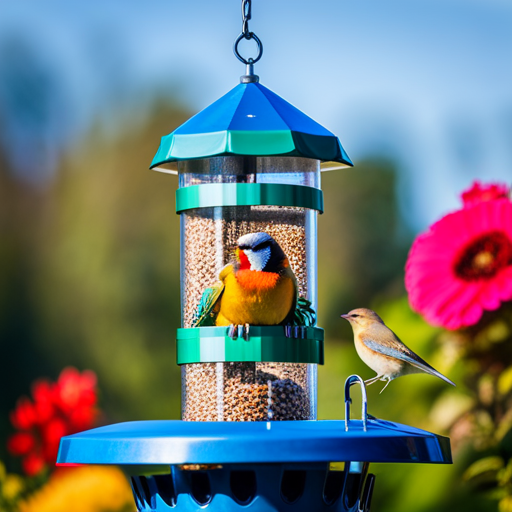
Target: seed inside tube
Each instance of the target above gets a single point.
(241, 391)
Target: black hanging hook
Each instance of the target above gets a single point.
(248, 35)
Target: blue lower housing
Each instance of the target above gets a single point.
(257, 487)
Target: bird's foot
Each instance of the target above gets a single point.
(239, 331)
(372, 380)
(387, 383)
(233, 331)
(295, 331)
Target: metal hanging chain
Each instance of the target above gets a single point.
(246, 16)
(248, 35)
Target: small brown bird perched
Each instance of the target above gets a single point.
(379, 347)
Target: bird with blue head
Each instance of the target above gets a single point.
(257, 288)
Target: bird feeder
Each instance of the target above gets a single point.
(248, 163)
(251, 163)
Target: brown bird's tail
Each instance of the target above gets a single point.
(431, 371)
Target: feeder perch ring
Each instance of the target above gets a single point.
(266, 344)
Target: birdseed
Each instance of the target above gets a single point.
(241, 391)
(247, 392)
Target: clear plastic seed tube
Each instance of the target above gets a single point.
(246, 391)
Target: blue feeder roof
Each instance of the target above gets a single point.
(168, 442)
(250, 120)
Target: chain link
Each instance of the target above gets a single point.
(247, 34)
(246, 16)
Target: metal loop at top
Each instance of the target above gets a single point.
(248, 36)
(353, 379)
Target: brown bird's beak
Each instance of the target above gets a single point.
(344, 316)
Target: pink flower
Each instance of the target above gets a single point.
(479, 193)
(463, 264)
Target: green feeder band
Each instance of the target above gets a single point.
(266, 344)
(248, 194)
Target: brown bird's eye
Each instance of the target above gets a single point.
(354, 316)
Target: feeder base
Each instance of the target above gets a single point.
(256, 487)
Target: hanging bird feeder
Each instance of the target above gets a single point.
(248, 163)
(249, 166)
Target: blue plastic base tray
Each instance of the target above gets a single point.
(169, 442)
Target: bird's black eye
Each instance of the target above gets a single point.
(354, 316)
(262, 245)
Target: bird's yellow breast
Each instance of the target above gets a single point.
(255, 298)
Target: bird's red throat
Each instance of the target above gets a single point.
(254, 280)
(245, 264)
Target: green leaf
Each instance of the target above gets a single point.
(504, 426)
(449, 407)
(484, 471)
(505, 475)
(505, 381)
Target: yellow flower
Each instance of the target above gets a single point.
(505, 504)
(83, 489)
(12, 486)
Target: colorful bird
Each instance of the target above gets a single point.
(259, 288)
(379, 347)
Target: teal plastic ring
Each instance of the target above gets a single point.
(265, 344)
(248, 194)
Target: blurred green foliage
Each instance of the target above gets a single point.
(363, 241)
(107, 275)
(89, 276)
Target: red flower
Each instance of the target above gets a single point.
(463, 264)
(24, 416)
(479, 193)
(76, 389)
(33, 464)
(42, 391)
(58, 409)
(21, 443)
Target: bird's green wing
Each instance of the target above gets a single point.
(304, 314)
(390, 345)
(206, 311)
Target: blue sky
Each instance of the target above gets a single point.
(426, 81)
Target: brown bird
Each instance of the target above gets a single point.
(379, 347)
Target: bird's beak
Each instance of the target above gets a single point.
(344, 316)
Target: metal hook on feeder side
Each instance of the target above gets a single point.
(355, 379)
